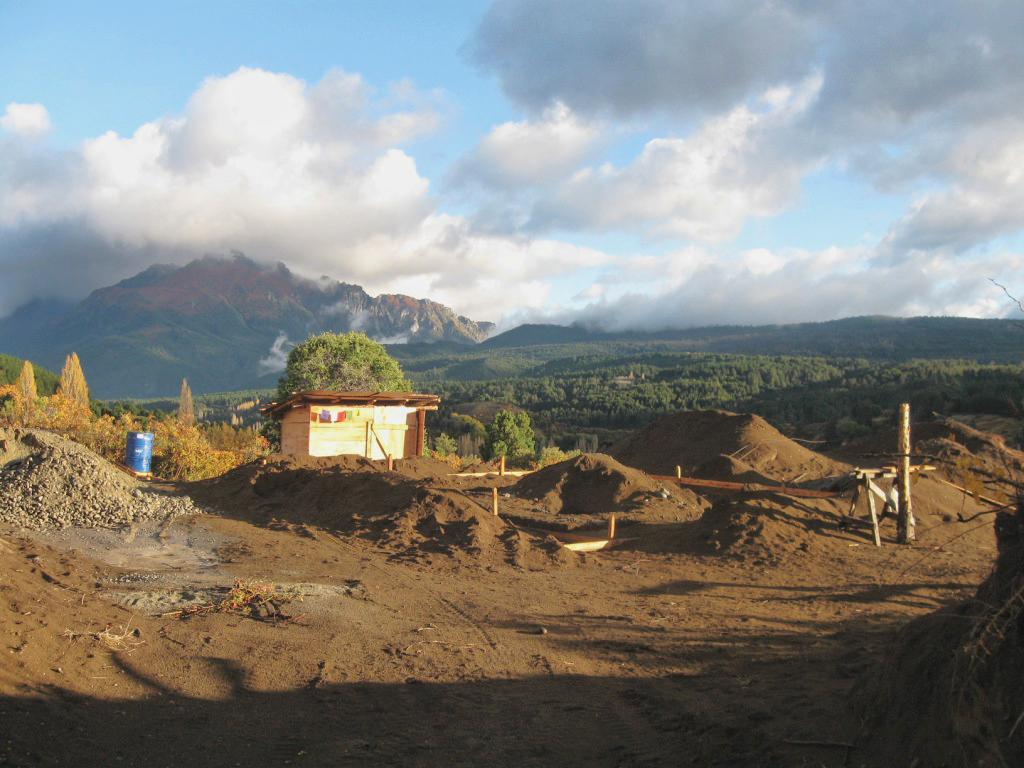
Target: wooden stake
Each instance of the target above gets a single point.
(391, 463)
(494, 500)
(611, 526)
(904, 514)
(501, 468)
(679, 471)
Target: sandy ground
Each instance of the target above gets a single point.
(646, 658)
(723, 631)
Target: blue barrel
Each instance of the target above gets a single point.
(138, 451)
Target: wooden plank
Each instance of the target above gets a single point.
(508, 473)
(874, 519)
(589, 546)
(748, 487)
(376, 437)
(979, 497)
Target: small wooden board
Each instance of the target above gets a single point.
(133, 473)
(579, 542)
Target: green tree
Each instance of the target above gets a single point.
(341, 362)
(186, 408)
(509, 434)
(445, 445)
(72, 381)
(345, 362)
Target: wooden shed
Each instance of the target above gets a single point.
(371, 424)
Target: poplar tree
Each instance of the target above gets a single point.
(28, 394)
(72, 381)
(26, 383)
(186, 408)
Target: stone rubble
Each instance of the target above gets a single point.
(48, 482)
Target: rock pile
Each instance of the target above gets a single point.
(48, 482)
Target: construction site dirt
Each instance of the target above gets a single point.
(328, 612)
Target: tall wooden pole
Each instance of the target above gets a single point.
(904, 513)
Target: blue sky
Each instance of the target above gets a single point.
(646, 163)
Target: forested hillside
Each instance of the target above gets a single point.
(815, 397)
(582, 388)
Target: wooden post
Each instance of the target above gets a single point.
(494, 500)
(391, 463)
(501, 467)
(904, 513)
(679, 471)
(611, 527)
(421, 427)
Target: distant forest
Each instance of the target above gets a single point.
(837, 380)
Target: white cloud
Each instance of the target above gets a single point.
(703, 187)
(531, 152)
(802, 286)
(265, 164)
(27, 120)
(900, 96)
(985, 198)
(257, 161)
(277, 357)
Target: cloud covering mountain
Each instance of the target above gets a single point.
(653, 162)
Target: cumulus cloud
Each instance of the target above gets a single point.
(311, 175)
(531, 152)
(702, 187)
(651, 134)
(28, 120)
(900, 99)
(984, 200)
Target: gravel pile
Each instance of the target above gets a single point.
(48, 482)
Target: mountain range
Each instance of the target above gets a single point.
(224, 323)
(227, 323)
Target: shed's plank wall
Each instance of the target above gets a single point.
(303, 434)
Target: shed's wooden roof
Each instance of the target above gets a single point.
(308, 397)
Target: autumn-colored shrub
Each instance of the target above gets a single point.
(107, 436)
(180, 452)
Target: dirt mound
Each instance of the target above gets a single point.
(47, 481)
(423, 467)
(399, 513)
(589, 484)
(769, 528)
(960, 454)
(692, 438)
(727, 468)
